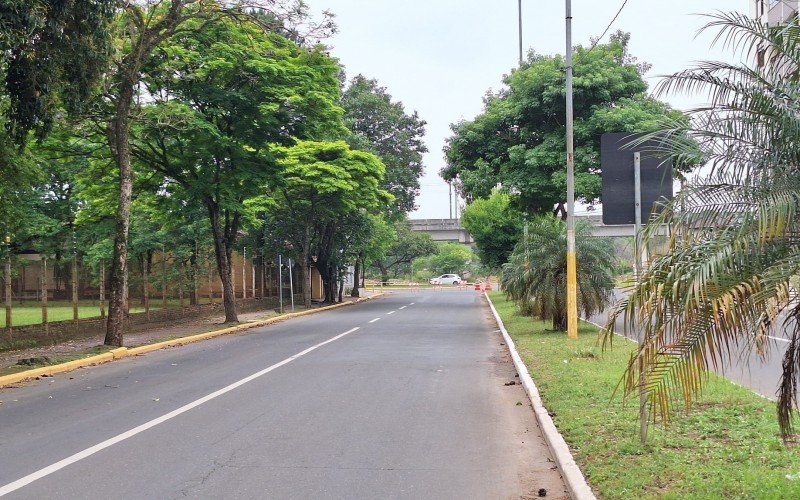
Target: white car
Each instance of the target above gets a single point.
(446, 279)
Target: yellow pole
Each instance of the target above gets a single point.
(572, 268)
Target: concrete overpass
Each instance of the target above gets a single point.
(450, 230)
(445, 230)
(600, 229)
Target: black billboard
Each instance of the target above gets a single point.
(616, 161)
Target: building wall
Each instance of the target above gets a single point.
(773, 12)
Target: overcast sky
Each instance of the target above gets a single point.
(439, 57)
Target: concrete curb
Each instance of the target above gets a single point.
(123, 352)
(573, 477)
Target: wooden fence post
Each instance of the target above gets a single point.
(102, 289)
(44, 297)
(145, 286)
(7, 278)
(75, 289)
(163, 276)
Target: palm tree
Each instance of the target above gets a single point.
(735, 247)
(535, 276)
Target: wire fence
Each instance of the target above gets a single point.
(44, 297)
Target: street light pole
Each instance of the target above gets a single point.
(572, 279)
(519, 10)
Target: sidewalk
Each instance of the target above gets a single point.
(9, 359)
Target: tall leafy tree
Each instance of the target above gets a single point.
(495, 225)
(51, 55)
(323, 185)
(143, 26)
(383, 127)
(407, 245)
(519, 139)
(225, 94)
(728, 279)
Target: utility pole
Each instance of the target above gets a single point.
(450, 195)
(637, 249)
(519, 10)
(572, 277)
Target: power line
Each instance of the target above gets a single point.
(621, 8)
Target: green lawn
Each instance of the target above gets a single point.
(31, 312)
(725, 446)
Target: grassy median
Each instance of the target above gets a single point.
(726, 446)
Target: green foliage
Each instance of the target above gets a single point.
(17, 173)
(382, 127)
(51, 53)
(449, 258)
(496, 227)
(725, 283)
(536, 275)
(406, 246)
(519, 139)
(325, 192)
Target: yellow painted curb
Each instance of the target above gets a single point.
(122, 352)
(55, 369)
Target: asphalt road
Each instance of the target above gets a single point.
(400, 397)
(746, 367)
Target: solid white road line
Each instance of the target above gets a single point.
(19, 483)
(374, 320)
(392, 312)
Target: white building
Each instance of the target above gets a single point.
(773, 12)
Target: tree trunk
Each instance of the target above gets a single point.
(119, 142)
(305, 276)
(341, 289)
(356, 279)
(560, 320)
(384, 272)
(194, 262)
(223, 252)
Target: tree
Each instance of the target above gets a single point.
(369, 237)
(225, 95)
(38, 78)
(728, 278)
(519, 139)
(383, 127)
(407, 246)
(141, 28)
(496, 227)
(450, 258)
(321, 185)
(536, 274)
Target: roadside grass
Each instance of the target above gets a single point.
(727, 445)
(30, 313)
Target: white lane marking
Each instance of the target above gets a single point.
(374, 320)
(403, 307)
(411, 304)
(19, 483)
(392, 312)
